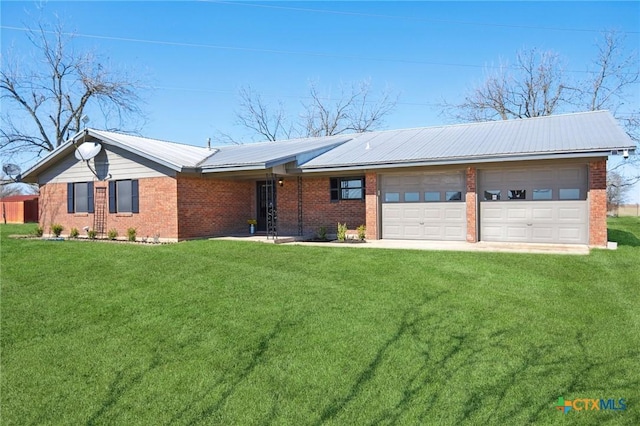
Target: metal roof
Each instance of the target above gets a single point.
(571, 134)
(175, 155)
(269, 154)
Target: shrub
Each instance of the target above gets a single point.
(362, 232)
(342, 231)
(74, 233)
(92, 234)
(131, 234)
(56, 228)
(322, 233)
(112, 234)
(38, 231)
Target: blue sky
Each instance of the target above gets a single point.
(196, 55)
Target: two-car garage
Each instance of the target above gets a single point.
(544, 204)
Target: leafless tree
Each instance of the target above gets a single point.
(617, 189)
(353, 110)
(46, 97)
(534, 86)
(261, 118)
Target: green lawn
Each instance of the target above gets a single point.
(229, 333)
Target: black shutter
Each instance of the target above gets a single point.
(90, 208)
(335, 189)
(112, 197)
(70, 208)
(135, 207)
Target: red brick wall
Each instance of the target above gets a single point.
(287, 205)
(471, 200)
(210, 207)
(158, 212)
(598, 203)
(372, 209)
(318, 209)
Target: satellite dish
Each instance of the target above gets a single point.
(88, 150)
(11, 169)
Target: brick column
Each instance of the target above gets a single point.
(598, 203)
(472, 234)
(371, 202)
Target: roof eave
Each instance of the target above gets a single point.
(459, 160)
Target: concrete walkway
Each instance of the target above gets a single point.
(428, 245)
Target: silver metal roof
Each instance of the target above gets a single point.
(175, 155)
(269, 154)
(571, 134)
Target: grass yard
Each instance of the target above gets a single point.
(230, 333)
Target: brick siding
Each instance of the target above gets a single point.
(317, 208)
(158, 212)
(598, 203)
(213, 207)
(471, 201)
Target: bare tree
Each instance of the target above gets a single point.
(353, 110)
(47, 102)
(614, 71)
(617, 189)
(534, 86)
(256, 115)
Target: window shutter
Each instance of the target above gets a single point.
(90, 208)
(334, 189)
(70, 207)
(112, 197)
(135, 208)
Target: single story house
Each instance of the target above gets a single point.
(19, 208)
(538, 180)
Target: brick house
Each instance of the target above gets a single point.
(533, 180)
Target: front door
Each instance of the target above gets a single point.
(266, 192)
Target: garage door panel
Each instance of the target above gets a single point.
(430, 221)
(534, 221)
(455, 214)
(516, 213)
(411, 213)
(516, 233)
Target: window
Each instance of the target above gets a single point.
(347, 189)
(542, 194)
(453, 196)
(411, 197)
(432, 196)
(517, 194)
(492, 195)
(80, 197)
(569, 194)
(391, 197)
(123, 196)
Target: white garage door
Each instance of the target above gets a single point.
(424, 206)
(541, 205)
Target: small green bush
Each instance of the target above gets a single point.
(92, 234)
(112, 234)
(74, 233)
(131, 234)
(322, 233)
(342, 231)
(38, 231)
(362, 232)
(56, 228)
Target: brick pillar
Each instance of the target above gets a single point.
(598, 203)
(472, 234)
(371, 202)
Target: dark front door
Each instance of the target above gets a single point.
(266, 193)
